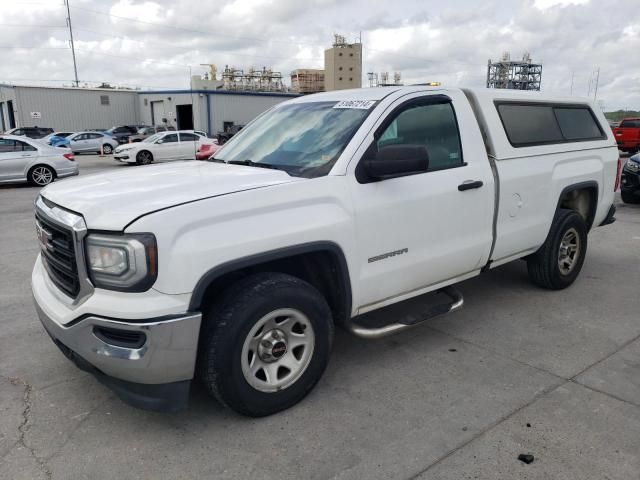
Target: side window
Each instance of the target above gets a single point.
(7, 146)
(539, 124)
(20, 131)
(431, 125)
(171, 138)
(630, 124)
(530, 124)
(24, 147)
(188, 137)
(79, 137)
(578, 124)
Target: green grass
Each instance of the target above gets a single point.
(620, 114)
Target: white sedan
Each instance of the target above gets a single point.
(171, 145)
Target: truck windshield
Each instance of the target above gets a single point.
(303, 139)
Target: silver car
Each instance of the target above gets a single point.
(26, 160)
(92, 142)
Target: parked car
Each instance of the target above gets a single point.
(324, 208)
(25, 160)
(58, 139)
(224, 137)
(206, 150)
(168, 145)
(630, 181)
(92, 142)
(31, 132)
(123, 132)
(146, 132)
(627, 135)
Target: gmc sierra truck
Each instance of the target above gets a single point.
(324, 208)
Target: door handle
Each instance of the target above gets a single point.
(470, 184)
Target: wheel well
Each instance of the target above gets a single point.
(581, 199)
(324, 269)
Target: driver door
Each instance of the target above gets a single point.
(419, 230)
(169, 149)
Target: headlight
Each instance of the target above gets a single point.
(122, 262)
(634, 166)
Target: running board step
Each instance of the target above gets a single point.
(410, 320)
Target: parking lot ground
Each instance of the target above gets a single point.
(449, 400)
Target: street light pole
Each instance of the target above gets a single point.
(73, 50)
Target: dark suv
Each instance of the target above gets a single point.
(630, 181)
(123, 132)
(31, 132)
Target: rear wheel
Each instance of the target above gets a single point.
(41, 175)
(629, 197)
(107, 149)
(144, 158)
(265, 343)
(559, 260)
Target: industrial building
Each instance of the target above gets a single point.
(307, 80)
(65, 108)
(515, 75)
(205, 107)
(343, 65)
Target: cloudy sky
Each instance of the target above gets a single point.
(152, 44)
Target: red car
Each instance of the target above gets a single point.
(628, 135)
(205, 150)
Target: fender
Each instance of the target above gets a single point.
(280, 253)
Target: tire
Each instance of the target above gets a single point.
(566, 244)
(144, 157)
(41, 175)
(629, 197)
(107, 149)
(234, 364)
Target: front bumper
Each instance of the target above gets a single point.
(148, 362)
(143, 377)
(630, 180)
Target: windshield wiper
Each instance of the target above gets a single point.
(217, 160)
(251, 163)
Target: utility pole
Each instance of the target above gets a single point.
(595, 95)
(73, 50)
(573, 73)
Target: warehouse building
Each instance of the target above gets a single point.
(206, 107)
(66, 108)
(211, 111)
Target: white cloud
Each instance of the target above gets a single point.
(545, 4)
(426, 40)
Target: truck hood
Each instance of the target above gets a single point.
(110, 201)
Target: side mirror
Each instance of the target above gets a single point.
(397, 161)
(160, 140)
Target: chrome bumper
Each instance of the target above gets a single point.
(167, 355)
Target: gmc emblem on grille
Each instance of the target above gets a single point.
(44, 237)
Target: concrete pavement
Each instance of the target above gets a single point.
(449, 400)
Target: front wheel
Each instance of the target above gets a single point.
(265, 343)
(107, 149)
(559, 260)
(144, 158)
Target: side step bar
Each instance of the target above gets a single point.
(379, 332)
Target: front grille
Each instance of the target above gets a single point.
(59, 256)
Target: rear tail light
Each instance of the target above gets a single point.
(69, 156)
(617, 186)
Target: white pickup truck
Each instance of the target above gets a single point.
(326, 207)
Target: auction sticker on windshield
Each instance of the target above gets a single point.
(359, 104)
